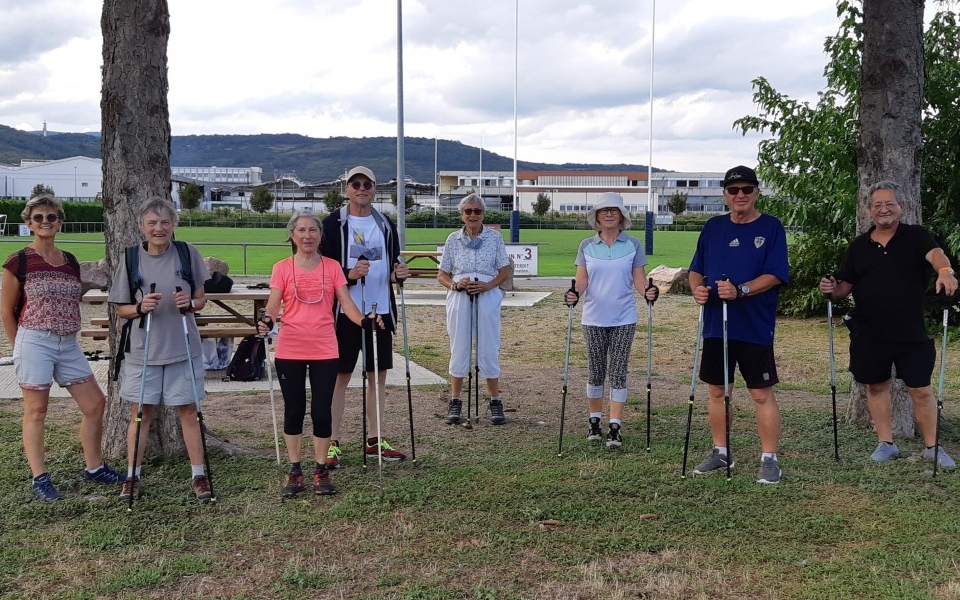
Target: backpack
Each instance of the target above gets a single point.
(248, 362)
(135, 281)
(22, 278)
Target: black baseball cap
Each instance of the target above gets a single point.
(740, 173)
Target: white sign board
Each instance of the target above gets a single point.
(24, 230)
(525, 258)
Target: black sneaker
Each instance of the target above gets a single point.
(43, 489)
(595, 434)
(496, 413)
(453, 412)
(614, 440)
(294, 484)
(322, 486)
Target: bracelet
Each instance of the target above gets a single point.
(947, 269)
(140, 310)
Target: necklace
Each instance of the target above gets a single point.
(296, 289)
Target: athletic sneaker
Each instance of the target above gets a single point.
(104, 475)
(131, 488)
(201, 487)
(769, 471)
(322, 486)
(885, 452)
(595, 434)
(713, 463)
(333, 455)
(453, 412)
(388, 452)
(496, 413)
(614, 441)
(43, 489)
(945, 461)
(294, 484)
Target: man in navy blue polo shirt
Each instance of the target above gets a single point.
(886, 269)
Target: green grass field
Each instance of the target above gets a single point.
(253, 251)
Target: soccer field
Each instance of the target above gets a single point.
(253, 251)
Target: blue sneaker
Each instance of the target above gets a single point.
(945, 461)
(43, 489)
(104, 475)
(885, 452)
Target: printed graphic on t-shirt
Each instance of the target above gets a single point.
(359, 247)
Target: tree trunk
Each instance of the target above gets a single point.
(891, 100)
(135, 146)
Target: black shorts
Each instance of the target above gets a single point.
(871, 359)
(348, 343)
(756, 362)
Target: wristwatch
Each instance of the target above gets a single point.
(743, 289)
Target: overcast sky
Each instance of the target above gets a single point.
(329, 68)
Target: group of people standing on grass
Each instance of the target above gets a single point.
(335, 298)
(737, 269)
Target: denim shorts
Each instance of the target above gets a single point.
(170, 385)
(41, 357)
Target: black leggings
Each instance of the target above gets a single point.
(292, 375)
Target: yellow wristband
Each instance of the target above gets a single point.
(942, 269)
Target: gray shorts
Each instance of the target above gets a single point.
(41, 357)
(170, 384)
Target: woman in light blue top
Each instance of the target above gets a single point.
(610, 267)
(473, 266)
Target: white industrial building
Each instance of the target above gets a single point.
(79, 178)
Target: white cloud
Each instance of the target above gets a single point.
(329, 68)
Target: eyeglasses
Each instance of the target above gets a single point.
(609, 210)
(883, 206)
(733, 190)
(51, 218)
(473, 211)
(361, 184)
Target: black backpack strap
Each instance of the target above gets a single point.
(22, 278)
(134, 279)
(186, 264)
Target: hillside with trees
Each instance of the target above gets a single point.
(310, 159)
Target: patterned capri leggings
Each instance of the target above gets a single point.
(603, 344)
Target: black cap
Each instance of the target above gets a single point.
(740, 173)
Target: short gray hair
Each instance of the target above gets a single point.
(303, 213)
(42, 200)
(885, 185)
(160, 207)
(472, 198)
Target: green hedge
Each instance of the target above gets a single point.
(76, 212)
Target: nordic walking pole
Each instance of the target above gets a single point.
(649, 357)
(273, 402)
(833, 377)
(943, 368)
(196, 401)
(693, 391)
(363, 365)
(726, 386)
(566, 368)
(476, 363)
(470, 365)
(143, 380)
(376, 394)
(406, 360)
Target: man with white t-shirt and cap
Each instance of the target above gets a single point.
(366, 244)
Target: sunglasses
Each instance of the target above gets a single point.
(473, 211)
(50, 218)
(361, 184)
(746, 189)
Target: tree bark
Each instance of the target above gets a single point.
(892, 82)
(135, 147)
